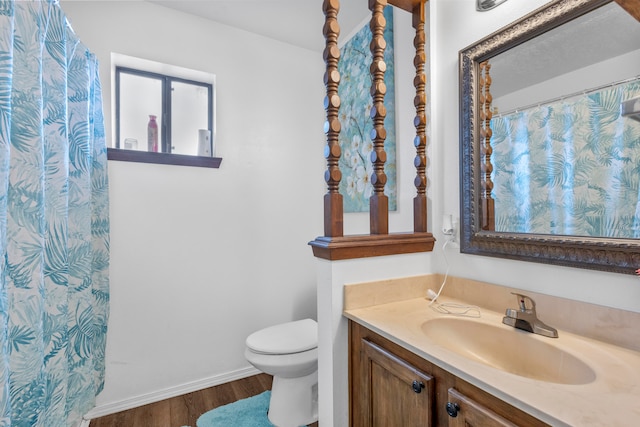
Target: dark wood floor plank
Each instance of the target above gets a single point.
(143, 417)
(115, 420)
(265, 381)
(196, 407)
(244, 389)
(179, 411)
(160, 414)
(218, 396)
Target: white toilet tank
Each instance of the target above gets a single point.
(286, 338)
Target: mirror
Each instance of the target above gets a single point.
(535, 97)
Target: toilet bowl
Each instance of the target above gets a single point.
(288, 352)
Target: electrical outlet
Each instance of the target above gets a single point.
(453, 240)
(450, 228)
(447, 225)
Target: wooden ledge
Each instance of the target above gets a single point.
(364, 246)
(162, 158)
(631, 6)
(408, 5)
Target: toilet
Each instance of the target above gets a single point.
(288, 352)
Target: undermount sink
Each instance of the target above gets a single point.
(509, 350)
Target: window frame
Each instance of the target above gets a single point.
(166, 74)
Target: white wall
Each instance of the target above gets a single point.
(456, 25)
(333, 372)
(200, 258)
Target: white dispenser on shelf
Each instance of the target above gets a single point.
(205, 147)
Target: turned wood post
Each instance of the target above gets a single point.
(420, 122)
(486, 113)
(379, 202)
(333, 211)
(334, 245)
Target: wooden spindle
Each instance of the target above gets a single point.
(333, 210)
(488, 208)
(379, 202)
(420, 122)
(333, 245)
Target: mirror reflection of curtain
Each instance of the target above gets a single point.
(570, 167)
(54, 225)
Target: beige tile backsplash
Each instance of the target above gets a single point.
(614, 326)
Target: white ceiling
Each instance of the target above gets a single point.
(297, 22)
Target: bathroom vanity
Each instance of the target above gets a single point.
(410, 365)
(393, 384)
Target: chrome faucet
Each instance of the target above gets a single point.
(525, 318)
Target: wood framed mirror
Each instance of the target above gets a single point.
(512, 73)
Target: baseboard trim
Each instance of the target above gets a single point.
(145, 399)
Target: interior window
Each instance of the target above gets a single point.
(163, 113)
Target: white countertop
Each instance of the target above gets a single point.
(611, 399)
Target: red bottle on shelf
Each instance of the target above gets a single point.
(152, 134)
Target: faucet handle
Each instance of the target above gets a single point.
(522, 302)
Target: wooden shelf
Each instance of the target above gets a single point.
(408, 5)
(163, 158)
(364, 246)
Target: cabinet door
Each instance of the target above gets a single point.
(394, 393)
(464, 412)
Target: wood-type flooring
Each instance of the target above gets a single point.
(186, 409)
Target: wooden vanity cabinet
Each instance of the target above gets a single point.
(473, 414)
(392, 391)
(390, 386)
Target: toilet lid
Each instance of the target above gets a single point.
(286, 338)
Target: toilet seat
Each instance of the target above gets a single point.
(287, 338)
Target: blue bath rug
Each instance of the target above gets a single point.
(250, 412)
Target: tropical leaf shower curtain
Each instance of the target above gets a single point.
(570, 167)
(54, 225)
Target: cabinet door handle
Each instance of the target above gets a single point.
(418, 386)
(452, 409)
